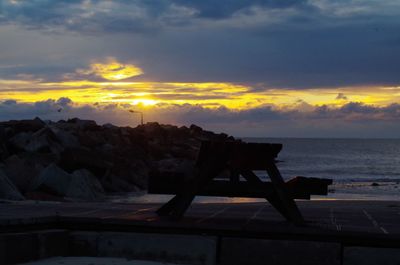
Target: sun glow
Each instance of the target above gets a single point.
(210, 95)
(144, 102)
(111, 69)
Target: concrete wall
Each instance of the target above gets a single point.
(187, 249)
(23, 247)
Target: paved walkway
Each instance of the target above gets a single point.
(352, 220)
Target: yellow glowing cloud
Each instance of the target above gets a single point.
(210, 95)
(111, 69)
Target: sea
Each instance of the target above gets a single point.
(361, 169)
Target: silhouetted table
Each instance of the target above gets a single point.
(237, 159)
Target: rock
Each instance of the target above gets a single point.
(50, 156)
(21, 171)
(42, 160)
(56, 182)
(41, 141)
(42, 196)
(20, 140)
(135, 172)
(77, 158)
(176, 165)
(24, 125)
(84, 124)
(196, 130)
(3, 148)
(3, 151)
(7, 189)
(44, 141)
(85, 185)
(53, 180)
(115, 184)
(91, 139)
(110, 126)
(154, 131)
(67, 139)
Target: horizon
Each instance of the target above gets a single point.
(291, 69)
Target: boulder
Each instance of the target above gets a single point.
(134, 172)
(172, 165)
(4, 153)
(110, 126)
(84, 124)
(67, 139)
(7, 189)
(48, 157)
(24, 125)
(21, 171)
(77, 158)
(40, 159)
(84, 185)
(43, 141)
(20, 140)
(195, 130)
(52, 180)
(56, 182)
(42, 196)
(3, 148)
(91, 139)
(116, 184)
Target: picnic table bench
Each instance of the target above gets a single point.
(240, 159)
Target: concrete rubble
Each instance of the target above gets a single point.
(79, 159)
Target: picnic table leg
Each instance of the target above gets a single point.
(287, 201)
(272, 199)
(234, 175)
(206, 174)
(209, 169)
(181, 205)
(167, 208)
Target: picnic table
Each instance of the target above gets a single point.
(239, 159)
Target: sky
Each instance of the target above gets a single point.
(265, 68)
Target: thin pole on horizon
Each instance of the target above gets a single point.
(141, 115)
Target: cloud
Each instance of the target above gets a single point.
(110, 69)
(148, 16)
(341, 96)
(351, 120)
(283, 44)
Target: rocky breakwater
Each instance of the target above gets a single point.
(81, 160)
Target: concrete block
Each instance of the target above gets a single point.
(52, 243)
(20, 247)
(2, 250)
(371, 256)
(83, 243)
(185, 249)
(278, 252)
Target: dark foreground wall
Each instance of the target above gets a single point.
(187, 249)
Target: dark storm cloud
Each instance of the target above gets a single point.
(127, 16)
(85, 16)
(290, 44)
(226, 8)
